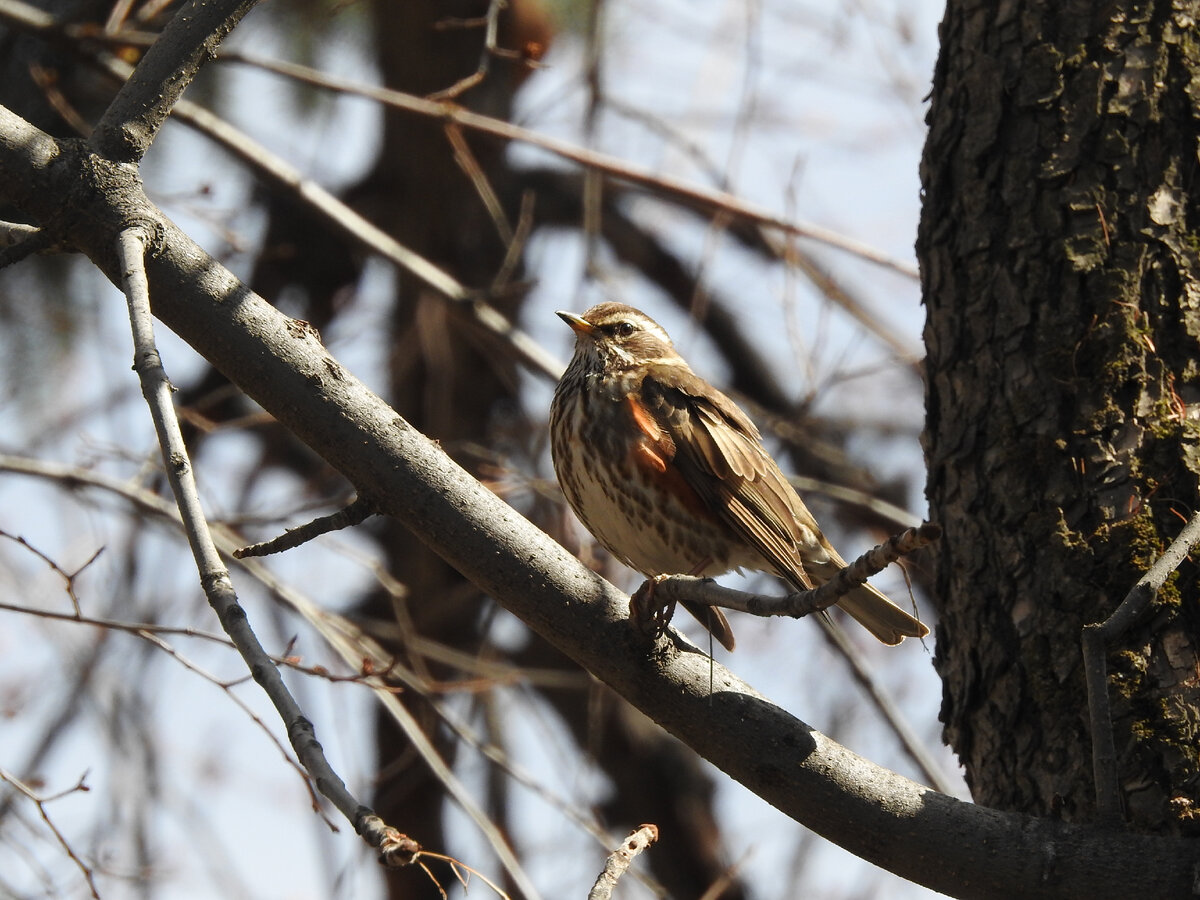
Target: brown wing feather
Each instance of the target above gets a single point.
(720, 455)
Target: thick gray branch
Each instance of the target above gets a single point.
(190, 39)
(24, 149)
(946, 844)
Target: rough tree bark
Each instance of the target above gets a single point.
(1063, 287)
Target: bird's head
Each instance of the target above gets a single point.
(615, 336)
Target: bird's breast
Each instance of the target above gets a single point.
(618, 473)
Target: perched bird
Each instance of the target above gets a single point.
(672, 477)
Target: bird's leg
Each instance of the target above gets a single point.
(643, 609)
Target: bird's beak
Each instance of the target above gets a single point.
(578, 324)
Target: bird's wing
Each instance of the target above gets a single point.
(718, 452)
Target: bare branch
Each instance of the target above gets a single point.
(67, 577)
(214, 577)
(707, 592)
(620, 859)
(129, 125)
(470, 166)
(358, 511)
(713, 201)
(40, 802)
(24, 149)
(1096, 639)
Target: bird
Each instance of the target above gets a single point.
(672, 478)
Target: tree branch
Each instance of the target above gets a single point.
(214, 577)
(707, 592)
(619, 860)
(1096, 639)
(40, 802)
(129, 125)
(346, 517)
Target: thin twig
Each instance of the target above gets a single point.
(843, 494)
(67, 577)
(707, 592)
(228, 687)
(1096, 639)
(712, 201)
(515, 251)
(458, 868)
(346, 638)
(358, 511)
(618, 861)
(214, 577)
(40, 802)
(465, 157)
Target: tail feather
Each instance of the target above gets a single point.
(714, 620)
(875, 612)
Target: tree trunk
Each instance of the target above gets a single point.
(1063, 292)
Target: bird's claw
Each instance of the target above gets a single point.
(647, 613)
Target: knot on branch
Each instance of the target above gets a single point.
(396, 849)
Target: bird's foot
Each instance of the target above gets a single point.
(648, 613)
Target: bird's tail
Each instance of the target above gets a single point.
(875, 612)
(714, 620)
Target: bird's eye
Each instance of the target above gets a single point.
(623, 329)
